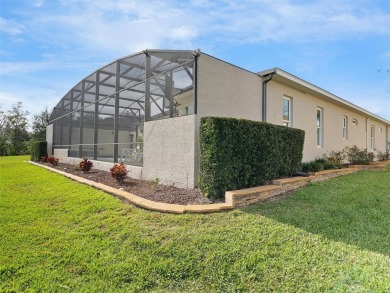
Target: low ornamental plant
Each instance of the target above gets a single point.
(313, 166)
(119, 172)
(358, 156)
(335, 158)
(85, 165)
(53, 160)
(383, 156)
(154, 183)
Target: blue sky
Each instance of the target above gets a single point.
(341, 46)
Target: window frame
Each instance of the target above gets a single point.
(287, 123)
(372, 137)
(345, 127)
(320, 127)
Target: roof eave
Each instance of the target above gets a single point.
(307, 87)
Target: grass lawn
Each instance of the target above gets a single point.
(60, 236)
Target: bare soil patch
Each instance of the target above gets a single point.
(142, 188)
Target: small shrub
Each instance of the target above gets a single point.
(383, 156)
(371, 156)
(85, 165)
(329, 166)
(44, 159)
(335, 158)
(154, 183)
(53, 160)
(312, 166)
(119, 172)
(358, 156)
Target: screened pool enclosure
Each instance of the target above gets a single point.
(103, 116)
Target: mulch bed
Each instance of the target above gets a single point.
(142, 188)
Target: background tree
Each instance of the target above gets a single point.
(3, 139)
(39, 124)
(16, 133)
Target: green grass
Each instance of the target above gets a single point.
(59, 236)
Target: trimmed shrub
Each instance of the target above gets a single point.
(238, 153)
(85, 165)
(38, 150)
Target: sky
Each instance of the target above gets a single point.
(342, 46)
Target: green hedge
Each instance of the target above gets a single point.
(38, 150)
(238, 153)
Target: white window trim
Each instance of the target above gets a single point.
(345, 127)
(320, 135)
(288, 122)
(372, 138)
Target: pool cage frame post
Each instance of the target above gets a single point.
(81, 122)
(116, 112)
(96, 116)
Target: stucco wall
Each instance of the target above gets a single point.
(227, 90)
(169, 151)
(304, 110)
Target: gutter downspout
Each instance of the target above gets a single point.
(264, 96)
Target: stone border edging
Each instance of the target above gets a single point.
(245, 197)
(143, 202)
(234, 198)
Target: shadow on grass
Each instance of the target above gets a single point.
(353, 209)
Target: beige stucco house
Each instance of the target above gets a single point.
(145, 109)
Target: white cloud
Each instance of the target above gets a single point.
(38, 3)
(34, 100)
(10, 27)
(127, 26)
(10, 68)
(23, 67)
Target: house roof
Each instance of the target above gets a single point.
(293, 81)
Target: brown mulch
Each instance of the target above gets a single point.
(142, 188)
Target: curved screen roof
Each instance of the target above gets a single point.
(126, 78)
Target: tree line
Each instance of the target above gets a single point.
(16, 134)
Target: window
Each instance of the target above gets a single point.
(189, 110)
(287, 112)
(354, 122)
(372, 137)
(345, 127)
(319, 127)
